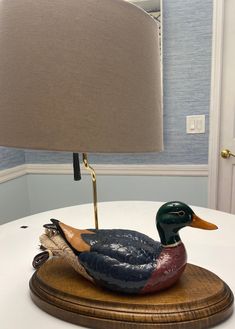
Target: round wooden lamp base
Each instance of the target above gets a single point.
(199, 300)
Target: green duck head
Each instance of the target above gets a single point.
(174, 215)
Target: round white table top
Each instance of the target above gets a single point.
(212, 250)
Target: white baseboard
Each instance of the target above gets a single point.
(106, 169)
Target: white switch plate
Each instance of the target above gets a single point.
(195, 124)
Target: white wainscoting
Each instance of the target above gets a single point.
(109, 169)
(40, 187)
(14, 201)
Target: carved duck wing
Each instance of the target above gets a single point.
(126, 246)
(120, 259)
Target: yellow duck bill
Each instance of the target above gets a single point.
(200, 223)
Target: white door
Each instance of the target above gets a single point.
(223, 109)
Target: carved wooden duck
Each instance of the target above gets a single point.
(125, 260)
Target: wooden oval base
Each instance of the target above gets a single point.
(199, 300)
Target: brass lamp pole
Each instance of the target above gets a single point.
(93, 177)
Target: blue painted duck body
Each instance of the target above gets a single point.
(131, 262)
(125, 260)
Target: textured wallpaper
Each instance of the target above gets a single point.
(10, 158)
(187, 38)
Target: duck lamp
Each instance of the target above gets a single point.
(125, 260)
(85, 76)
(121, 278)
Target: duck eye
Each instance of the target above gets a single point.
(181, 213)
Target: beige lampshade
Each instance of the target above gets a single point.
(79, 75)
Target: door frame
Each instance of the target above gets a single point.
(215, 102)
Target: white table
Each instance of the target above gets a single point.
(213, 250)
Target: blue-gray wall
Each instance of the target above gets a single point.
(31, 194)
(10, 158)
(14, 199)
(187, 37)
